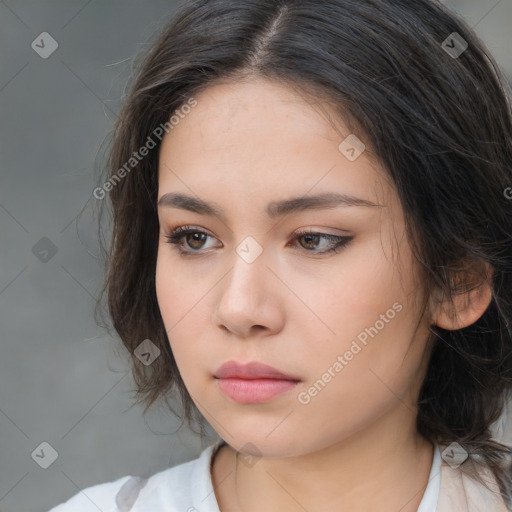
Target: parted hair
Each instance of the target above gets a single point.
(439, 123)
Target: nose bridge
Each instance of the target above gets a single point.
(249, 266)
(245, 289)
(246, 298)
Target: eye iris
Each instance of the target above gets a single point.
(196, 240)
(309, 237)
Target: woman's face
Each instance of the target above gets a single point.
(345, 323)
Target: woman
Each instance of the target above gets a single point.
(318, 187)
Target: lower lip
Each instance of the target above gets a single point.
(253, 391)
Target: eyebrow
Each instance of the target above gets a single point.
(274, 209)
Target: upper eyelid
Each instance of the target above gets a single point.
(307, 230)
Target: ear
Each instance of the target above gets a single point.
(472, 297)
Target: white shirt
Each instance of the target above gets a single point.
(187, 488)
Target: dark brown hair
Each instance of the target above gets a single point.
(439, 123)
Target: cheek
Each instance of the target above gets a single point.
(177, 289)
(344, 300)
(368, 319)
(165, 288)
(351, 384)
(169, 293)
(182, 303)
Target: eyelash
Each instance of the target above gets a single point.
(177, 235)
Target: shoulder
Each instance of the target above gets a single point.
(462, 490)
(178, 488)
(100, 496)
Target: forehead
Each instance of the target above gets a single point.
(255, 107)
(262, 137)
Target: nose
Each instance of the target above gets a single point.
(249, 300)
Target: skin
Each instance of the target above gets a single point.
(354, 445)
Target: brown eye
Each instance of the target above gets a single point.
(312, 239)
(190, 241)
(194, 238)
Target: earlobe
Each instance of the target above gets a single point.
(469, 304)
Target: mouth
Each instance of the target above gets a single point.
(252, 391)
(253, 382)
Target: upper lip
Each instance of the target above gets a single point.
(253, 370)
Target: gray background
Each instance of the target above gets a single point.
(63, 380)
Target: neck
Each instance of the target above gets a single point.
(381, 467)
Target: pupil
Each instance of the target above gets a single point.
(194, 237)
(309, 237)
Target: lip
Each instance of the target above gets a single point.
(252, 370)
(253, 391)
(253, 382)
